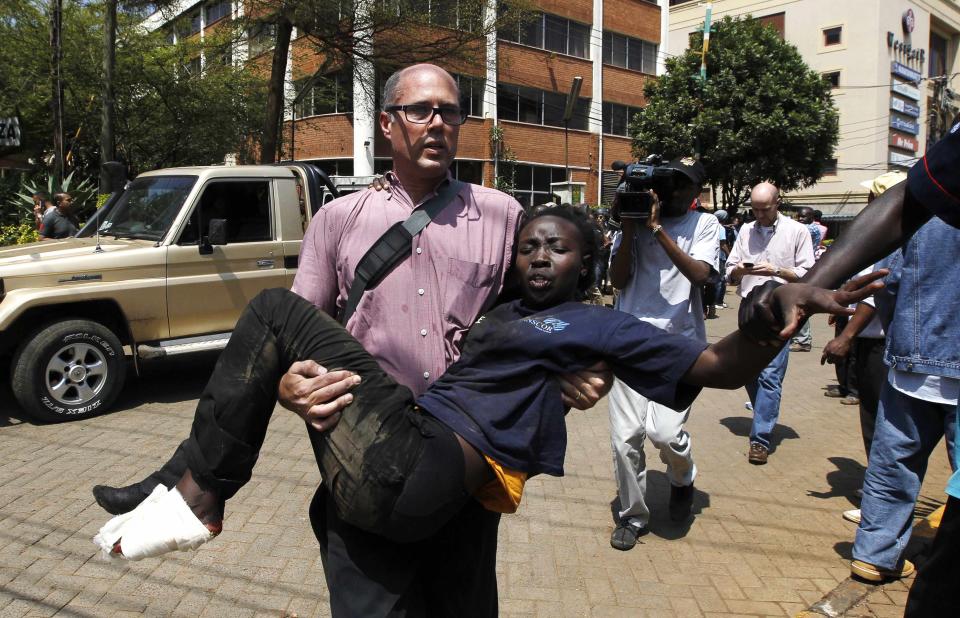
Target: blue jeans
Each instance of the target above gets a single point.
(764, 393)
(907, 431)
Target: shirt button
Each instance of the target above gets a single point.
(426, 375)
(420, 291)
(419, 250)
(423, 332)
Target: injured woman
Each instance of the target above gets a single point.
(401, 467)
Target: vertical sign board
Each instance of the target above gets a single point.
(905, 142)
(10, 131)
(902, 70)
(911, 92)
(907, 126)
(904, 107)
(902, 160)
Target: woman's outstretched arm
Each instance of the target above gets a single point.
(736, 358)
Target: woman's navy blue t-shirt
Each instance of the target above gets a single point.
(502, 396)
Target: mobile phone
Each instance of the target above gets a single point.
(747, 264)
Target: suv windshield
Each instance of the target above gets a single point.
(147, 207)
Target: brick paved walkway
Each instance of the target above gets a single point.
(766, 540)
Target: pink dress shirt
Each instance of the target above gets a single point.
(785, 244)
(413, 322)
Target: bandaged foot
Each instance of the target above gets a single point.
(162, 523)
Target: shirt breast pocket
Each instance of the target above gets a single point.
(467, 287)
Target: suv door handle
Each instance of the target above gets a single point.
(264, 263)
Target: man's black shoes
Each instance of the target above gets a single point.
(119, 500)
(681, 501)
(625, 535)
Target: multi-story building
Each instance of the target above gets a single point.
(892, 63)
(519, 84)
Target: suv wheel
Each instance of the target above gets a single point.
(68, 370)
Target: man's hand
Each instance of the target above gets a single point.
(836, 350)
(583, 389)
(798, 301)
(762, 269)
(380, 183)
(315, 394)
(654, 219)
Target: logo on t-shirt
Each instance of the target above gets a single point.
(548, 325)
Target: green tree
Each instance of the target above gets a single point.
(762, 114)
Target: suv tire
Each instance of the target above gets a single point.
(68, 370)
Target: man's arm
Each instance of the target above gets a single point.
(736, 358)
(696, 271)
(839, 347)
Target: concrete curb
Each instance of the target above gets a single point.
(850, 591)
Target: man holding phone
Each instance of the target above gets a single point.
(771, 247)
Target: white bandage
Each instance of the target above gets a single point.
(162, 523)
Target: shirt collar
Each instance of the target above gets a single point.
(471, 211)
(770, 229)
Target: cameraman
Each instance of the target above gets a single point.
(666, 261)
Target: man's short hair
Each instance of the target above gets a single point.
(40, 195)
(817, 215)
(392, 85)
(58, 197)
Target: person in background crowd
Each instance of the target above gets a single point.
(772, 248)
(60, 222)
(660, 266)
(803, 342)
(863, 340)
(41, 206)
(817, 216)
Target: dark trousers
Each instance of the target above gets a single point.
(449, 573)
(934, 591)
(846, 375)
(871, 373)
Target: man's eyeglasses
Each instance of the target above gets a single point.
(418, 113)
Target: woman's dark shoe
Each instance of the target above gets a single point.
(119, 500)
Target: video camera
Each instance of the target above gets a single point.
(637, 179)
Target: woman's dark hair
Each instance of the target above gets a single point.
(589, 245)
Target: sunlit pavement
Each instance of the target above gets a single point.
(765, 540)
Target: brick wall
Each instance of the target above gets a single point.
(636, 18)
(577, 10)
(623, 86)
(614, 149)
(525, 66)
(544, 145)
(325, 136)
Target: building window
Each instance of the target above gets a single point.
(549, 32)
(830, 169)
(329, 94)
(629, 53)
(260, 38)
(617, 118)
(832, 78)
(532, 182)
(471, 94)
(194, 23)
(468, 171)
(533, 106)
(832, 36)
(335, 167)
(194, 66)
(456, 14)
(938, 55)
(217, 11)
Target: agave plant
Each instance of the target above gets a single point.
(19, 206)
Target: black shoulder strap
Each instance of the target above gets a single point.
(395, 244)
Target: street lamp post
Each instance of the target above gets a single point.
(567, 114)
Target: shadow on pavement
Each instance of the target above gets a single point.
(168, 380)
(844, 549)
(740, 426)
(844, 481)
(658, 501)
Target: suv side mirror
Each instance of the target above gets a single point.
(216, 236)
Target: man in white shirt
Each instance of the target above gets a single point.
(778, 248)
(660, 266)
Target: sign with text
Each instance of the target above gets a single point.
(906, 142)
(902, 160)
(905, 89)
(905, 108)
(907, 126)
(10, 131)
(902, 70)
